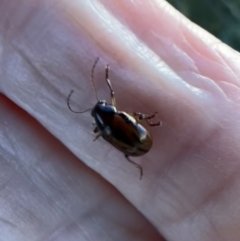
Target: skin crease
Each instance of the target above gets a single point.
(56, 183)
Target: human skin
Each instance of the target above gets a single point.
(56, 183)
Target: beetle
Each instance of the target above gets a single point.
(122, 130)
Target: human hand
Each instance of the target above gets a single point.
(56, 183)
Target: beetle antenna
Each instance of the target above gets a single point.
(94, 87)
(70, 108)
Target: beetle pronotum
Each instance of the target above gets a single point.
(119, 128)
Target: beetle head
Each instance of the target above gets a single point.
(102, 107)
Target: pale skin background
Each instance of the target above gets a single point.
(56, 183)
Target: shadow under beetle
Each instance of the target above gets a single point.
(119, 128)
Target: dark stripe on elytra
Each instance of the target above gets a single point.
(125, 117)
(128, 138)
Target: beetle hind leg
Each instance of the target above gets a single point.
(136, 165)
(145, 117)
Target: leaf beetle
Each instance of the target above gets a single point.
(122, 130)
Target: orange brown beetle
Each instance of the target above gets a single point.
(119, 128)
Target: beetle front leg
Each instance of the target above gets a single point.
(136, 165)
(97, 132)
(145, 117)
(97, 136)
(113, 100)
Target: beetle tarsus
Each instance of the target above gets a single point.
(159, 123)
(136, 165)
(145, 117)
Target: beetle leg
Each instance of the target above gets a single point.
(145, 117)
(136, 165)
(113, 100)
(97, 136)
(95, 130)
